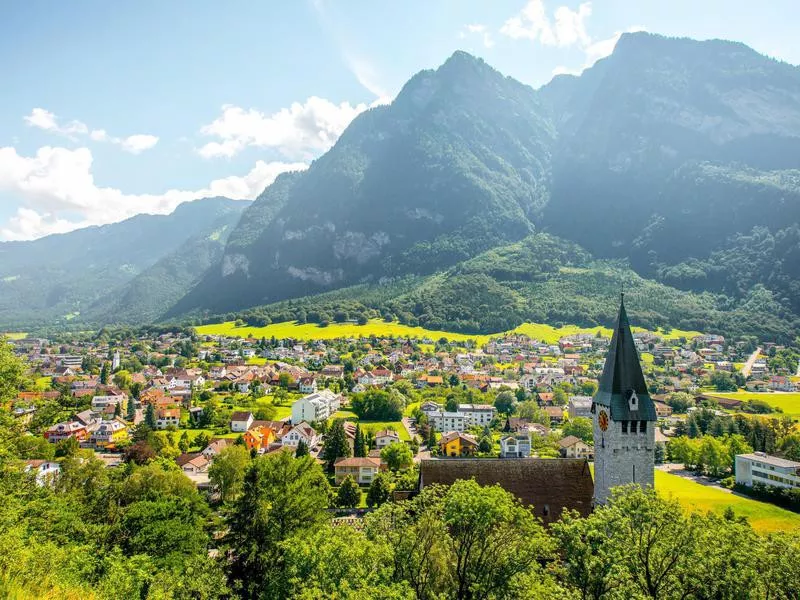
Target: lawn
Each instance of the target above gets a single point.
(373, 426)
(377, 327)
(762, 516)
(788, 402)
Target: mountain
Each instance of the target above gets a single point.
(87, 275)
(473, 202)
(678, 148)
(457, 164)
(678, 157)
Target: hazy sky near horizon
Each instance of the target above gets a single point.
(111, 109)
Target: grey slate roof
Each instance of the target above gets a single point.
(622, 376)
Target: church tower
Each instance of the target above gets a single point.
(624, 418)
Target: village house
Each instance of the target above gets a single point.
(168, 417)
(574, 447)
(307, 385)
(302, 431)
(556, 414)
(258, 438)
(455, 443)
(109, 434)
(385, 437)
(215, 447)
(44, 471)
(580, 406)
(63, 431)
(517, 445)
(241, 421)
(363, 470)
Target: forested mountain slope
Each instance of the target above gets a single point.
(44, 281)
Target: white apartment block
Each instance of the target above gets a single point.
(315, 407)
(477, 414)
(760, 467)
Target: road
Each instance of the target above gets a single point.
(748, 366)
(411, 428)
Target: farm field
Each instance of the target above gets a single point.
(694, 496)
(377, 327)
(788, 402)
(14, 335)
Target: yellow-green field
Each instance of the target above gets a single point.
(694, 496)
(310, 331)
(376, 327)
(788, 402)
(14, 335)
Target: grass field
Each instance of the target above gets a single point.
(694, 496)
(788, 402)
(309, 331)
(373, 426)
(43, 383)
(15, 335)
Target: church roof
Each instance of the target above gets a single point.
(548, 485)
(622, 376)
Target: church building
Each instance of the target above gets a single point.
(624, 418)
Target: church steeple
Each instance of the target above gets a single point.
(623, 417)
(622, 380)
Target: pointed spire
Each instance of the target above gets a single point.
(622, 373)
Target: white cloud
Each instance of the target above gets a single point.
(138, 143)
(478, 29)
(300, 131)
(48, 121)
(532, 23)
(58, 193)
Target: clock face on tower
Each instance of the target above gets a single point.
(602, 420)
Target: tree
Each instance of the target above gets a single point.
(201, 440)
(150, 416)
(349, 494)
(104, 372)
(680, 401)
(227, 471)
(285, 380)
(589, 387)
(302, 449)
(453, 380)
(122, 379)
(359, 444)
(580, 427)
(397, 455)
(131, 414)
(451, 403)
(336, 445)
(183, 443)
(378, 405)
(281, 496)
(140, 453)
(713, 456)
(485, 444)
(505, 402)
(378, 491)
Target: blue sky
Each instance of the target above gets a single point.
(110, 109)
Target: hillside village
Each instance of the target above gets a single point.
(188, 398)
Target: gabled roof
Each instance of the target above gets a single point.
(622, 376)
(553, 484)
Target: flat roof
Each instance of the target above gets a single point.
(771, 460)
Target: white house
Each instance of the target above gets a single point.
(760, 467)
(477, 414)
(241, 421)
(307, 385)
(198, 464)
(301, 431)
(386, 437)
(315, 407)
(447, 421)
(363, 470)
(46, 471)
(516, 445)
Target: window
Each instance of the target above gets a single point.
(642, 426)
(624, 427)
(546, 510)
(633, 426)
